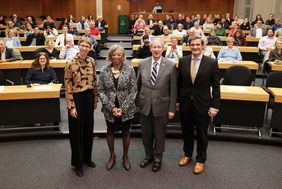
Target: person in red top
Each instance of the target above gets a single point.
(93, 30)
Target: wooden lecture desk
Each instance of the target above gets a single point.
(16, 71)
(276, 116)
(28, 105)
(241, 108)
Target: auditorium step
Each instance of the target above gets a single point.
(122, 40)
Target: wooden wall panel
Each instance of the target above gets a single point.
(63, 8)
(86, 7)
(21, 8)
(111, 13)
(188, 7)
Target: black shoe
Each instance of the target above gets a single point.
(91, 164)
(79, 172)
(126, 164)
(145, 162)
(156, 166)
(110, 163)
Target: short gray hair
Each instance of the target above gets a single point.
(113, 49)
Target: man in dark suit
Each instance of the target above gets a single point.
(157, 93)
(197, 75)
(36, 38)
(6, 54)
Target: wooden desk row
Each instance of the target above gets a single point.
(21, 105)
(222, 38)
(75, 38)
(215, 49)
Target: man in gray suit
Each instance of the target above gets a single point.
(258, 30)
(157, 93)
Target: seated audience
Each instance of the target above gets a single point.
(266, 44)
(166, 37)
(258, 18)
(144, 50)
(276, 54)
(188, 23)
(93, 29)
(199, 32)
(213, 39)
(258, 30)
(72, 30)
(50, 32)
(150, 21)
(11, 40)
(245, 25)
(139, 27)
(277, 24)
(31, 21)
(207, 51)
(158, 28)
(48, 22)
(174, 51)
(71, 19)
(49, 49)
(180, 19)
(61, 39)
(220, 30)
(10, 25)
(239, 38)
(179, 32)
(82, 24)
(208, 25)
(270, 21)
(28, 30)
(2, 21)
(233, 28)
(7, 54)
(90, 18)
(69, 50)
(229, 53)
(41, 72)
(36, 38)
(100, 23)
(147, 32)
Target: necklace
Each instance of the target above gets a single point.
(116, 73)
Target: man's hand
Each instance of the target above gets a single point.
(212, 112)
(171, 115)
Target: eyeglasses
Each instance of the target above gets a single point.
(84, 46)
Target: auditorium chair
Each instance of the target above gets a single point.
(274, 79)
(238, 75)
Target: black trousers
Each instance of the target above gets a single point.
(81, 128)
(190, 120)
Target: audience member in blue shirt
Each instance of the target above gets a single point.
(229, 53)
(41, 72)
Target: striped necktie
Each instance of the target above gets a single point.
(154, 73)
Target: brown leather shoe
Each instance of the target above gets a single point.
(184, 160)
(199, 168)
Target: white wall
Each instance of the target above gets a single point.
(263, 7)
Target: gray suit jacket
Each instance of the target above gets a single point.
(161, 97)
(254, 32)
